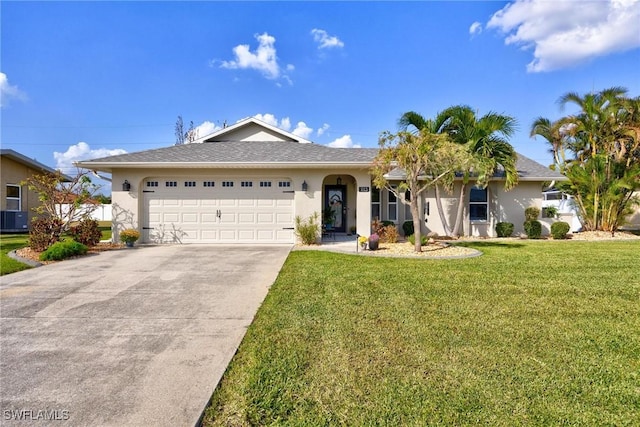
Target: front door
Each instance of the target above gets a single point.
(335, 198)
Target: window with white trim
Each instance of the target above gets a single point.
(375, 203)
(265, 183)
(392, 205)
(209, 184)
(284, 184)
(246, 184)
(227, 183)
(152, 183)
(478, 204)
(13, 197)
(171, 183)
(189, 183)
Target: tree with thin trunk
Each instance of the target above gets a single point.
(68, 200)
(485, 139)
(425, 158)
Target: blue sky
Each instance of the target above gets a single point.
(87, 79)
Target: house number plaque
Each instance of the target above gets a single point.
(363, 189)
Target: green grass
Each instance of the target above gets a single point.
(8, 243)
(531, 333)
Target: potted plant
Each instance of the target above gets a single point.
(374, 240)
(363, 240)
(129, 236)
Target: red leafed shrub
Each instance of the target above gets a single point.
(45, 231)
(86, 232)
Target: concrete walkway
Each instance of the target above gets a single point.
(133, 337)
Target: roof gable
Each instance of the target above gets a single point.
(31, 163)
(252, 129)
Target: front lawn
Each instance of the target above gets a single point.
(530, 333)
(8, 243)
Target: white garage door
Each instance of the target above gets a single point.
(221, 210)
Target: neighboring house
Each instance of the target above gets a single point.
(16, 200)
(247, 182)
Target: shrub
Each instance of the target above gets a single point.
(389, 234)
(386, 230)
(559, 230)
(407, 228)
(308, 230)
(531, 213)
(86, 232)
(504, 229)
(550, 212)
(62, 250)
(129, 235)
(45, 231)
(533, 229)
(423, 239)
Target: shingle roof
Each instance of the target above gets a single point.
(246, 153)
(243, 152)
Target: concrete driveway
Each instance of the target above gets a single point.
(132, 337)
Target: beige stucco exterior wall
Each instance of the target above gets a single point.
(13, 172)
(128, 206)
(503, 206)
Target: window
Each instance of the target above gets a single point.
(209, 183)
(284, 184)
(189, 183)
(478, 204)
(227, 183)
(265, 183)
(170, 183)
(375, 203)
(13, 197)
(392, 205)
(407, 207)
(246, 184)
(152, 183)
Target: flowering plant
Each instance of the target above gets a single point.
(129, 235)
(363, 239)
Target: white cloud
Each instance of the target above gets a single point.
(323, 129)
(82, 151)
(324, 40)
(8, 91)
(475, 28)
(264, 59)
(564, 33)
(284, 124)
(302, 130)
(206, 128)
(343, 142)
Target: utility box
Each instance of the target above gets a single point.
(14, 221)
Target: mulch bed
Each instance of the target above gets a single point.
(32, 255)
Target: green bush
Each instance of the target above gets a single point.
(44, 233)
(533, 229)
(62, 250)
(531, 213)
(412, 239)
(504, 229)
(407, 228)
(559, 230)
(308, 230)
(86, 232)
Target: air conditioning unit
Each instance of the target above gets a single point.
(14, 221)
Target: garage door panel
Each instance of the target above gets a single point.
(218, 214)
(246, 218)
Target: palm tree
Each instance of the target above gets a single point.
(555, 134)
(485, 137)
